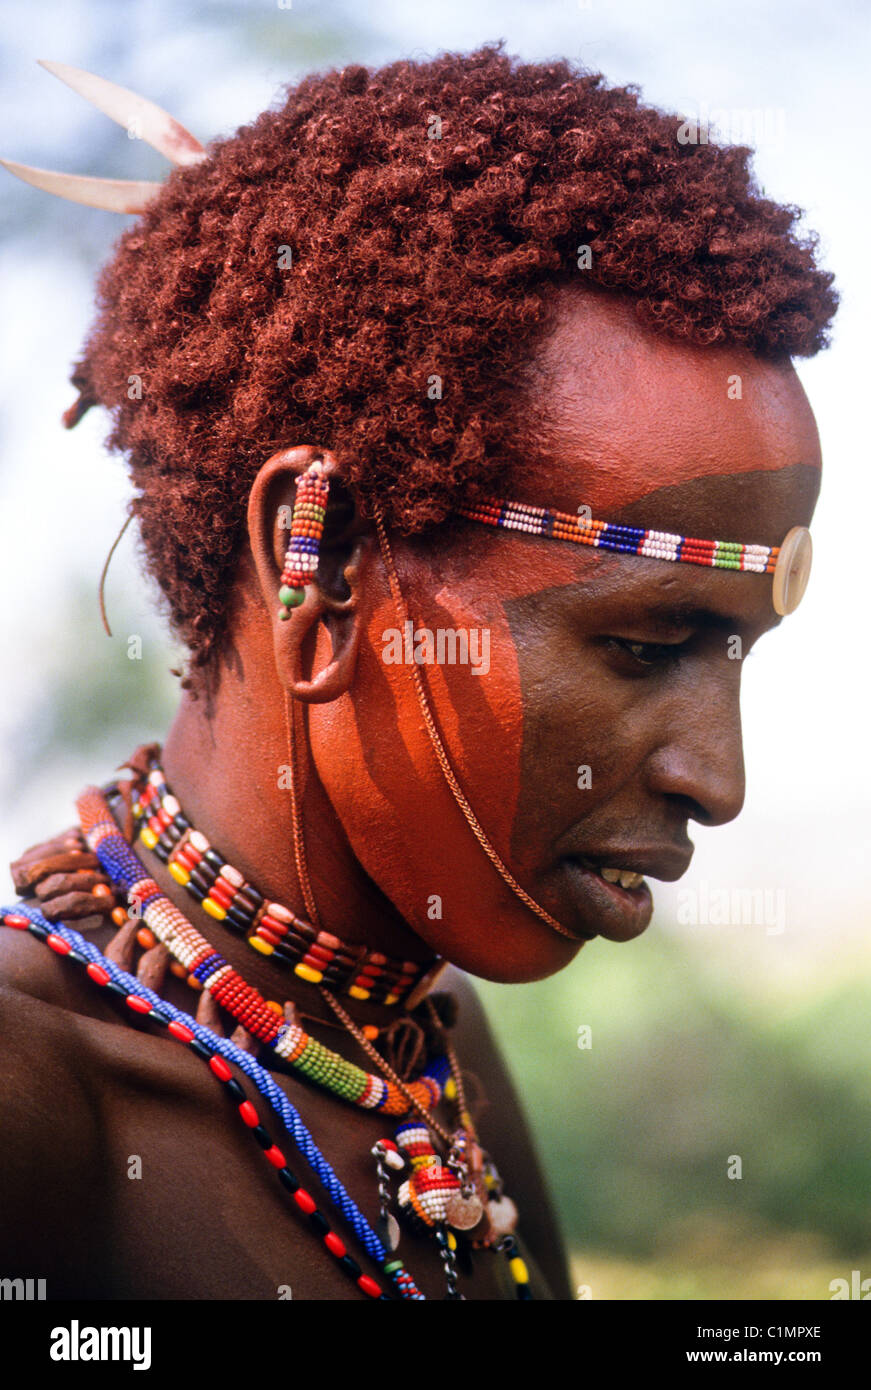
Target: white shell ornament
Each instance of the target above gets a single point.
(792, 570)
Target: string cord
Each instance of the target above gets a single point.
(439, 748)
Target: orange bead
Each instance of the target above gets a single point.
(102, 890)
(119, 916)
(146, 938)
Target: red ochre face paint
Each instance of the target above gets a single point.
(644, 432)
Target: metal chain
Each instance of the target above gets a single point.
(385, 1067)
(439, 749)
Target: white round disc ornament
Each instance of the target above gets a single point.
(792, 570)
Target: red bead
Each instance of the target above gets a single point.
(305, 1202)
(138, 1004)
(58, 944)
(179, 1031)
(249, 1114)
(334, 1245)
(275, 1157)
(221, 893)
(97, 973)
(368, 1286)
(13, 919)
(272, 924)
(220, 1068)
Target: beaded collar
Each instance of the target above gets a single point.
(270, 928)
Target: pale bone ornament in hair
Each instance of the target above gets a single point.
(139, 116)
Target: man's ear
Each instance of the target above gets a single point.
(332, 597)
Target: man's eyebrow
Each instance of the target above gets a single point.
(670, 615)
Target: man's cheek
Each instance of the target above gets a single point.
(479, 708)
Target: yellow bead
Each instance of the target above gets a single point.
(450, 1089)
(519, 1270)
(392, 999)
(357, 993)
(179, 873)
(214, 909)
(305, 972)
(452, 1241)
(262, 946)
(148, 838)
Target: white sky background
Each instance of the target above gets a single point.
(800, 68)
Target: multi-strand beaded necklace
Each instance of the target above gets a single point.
(270, 928)
(459, 1195)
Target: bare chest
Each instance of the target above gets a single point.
(192, 1209)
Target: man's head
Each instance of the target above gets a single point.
(432, 328)
(370, 265)
(608, 716)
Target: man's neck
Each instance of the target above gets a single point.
(228, 768)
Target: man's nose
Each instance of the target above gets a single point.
(700, 755)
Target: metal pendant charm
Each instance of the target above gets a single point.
(387, 1230)
(463, 1212)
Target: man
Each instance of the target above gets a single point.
(412, 289)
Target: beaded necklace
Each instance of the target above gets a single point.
(463, 1195)
(210, 970)
(271, 929)
(144, 1003)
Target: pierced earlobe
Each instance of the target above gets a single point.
(336, 677)
(290, 566)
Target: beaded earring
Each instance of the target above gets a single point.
(306, 530)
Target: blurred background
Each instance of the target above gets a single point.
(717, 1036)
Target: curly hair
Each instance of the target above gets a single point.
(366, 268)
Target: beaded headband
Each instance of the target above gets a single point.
(789, 562)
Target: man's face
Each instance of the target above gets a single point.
(609, 715)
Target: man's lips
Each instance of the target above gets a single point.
(600, 908)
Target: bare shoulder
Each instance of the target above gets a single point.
(50, 1117)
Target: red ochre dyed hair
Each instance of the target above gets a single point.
(382, 228)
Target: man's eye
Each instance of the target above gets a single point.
(648, 653)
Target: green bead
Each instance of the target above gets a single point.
(291, 598)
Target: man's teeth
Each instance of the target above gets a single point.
(627, 878)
